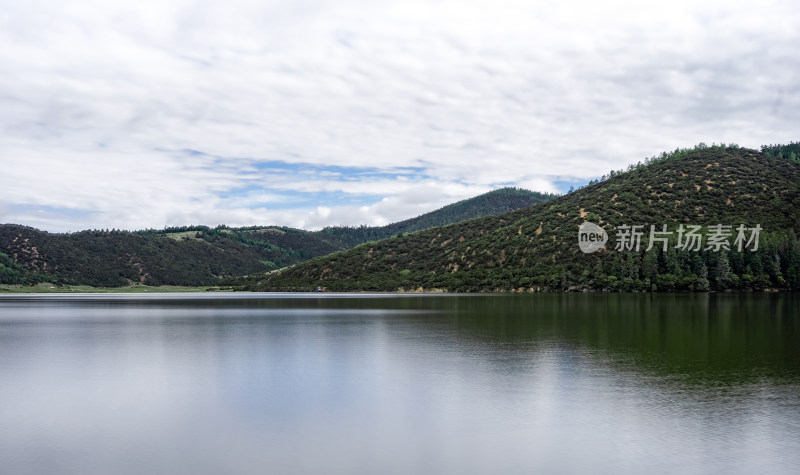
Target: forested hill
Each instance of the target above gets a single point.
(488, 204)
(117, 258)
(199, 255)
(536, 248)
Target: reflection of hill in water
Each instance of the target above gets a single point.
(719, 337)
(707, 336)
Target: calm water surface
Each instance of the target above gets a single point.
(270, 384)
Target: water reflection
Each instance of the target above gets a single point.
(343, 384)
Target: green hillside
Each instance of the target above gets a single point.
(278, 246)
(117, 258)
(199, 255)
(536, 248)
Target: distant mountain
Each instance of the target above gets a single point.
(494, 202)
(283, 246)
(199, 255)
(536, 248)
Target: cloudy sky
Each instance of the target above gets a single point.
(314, 112)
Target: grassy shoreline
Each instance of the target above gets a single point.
(45, 288)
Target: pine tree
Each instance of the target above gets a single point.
(722, 275)
(650, 265)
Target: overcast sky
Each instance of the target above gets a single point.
(309, 113)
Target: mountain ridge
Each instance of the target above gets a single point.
(199, 255)
(536, 248)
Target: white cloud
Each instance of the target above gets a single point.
(99, 100)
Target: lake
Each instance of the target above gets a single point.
(320, 383)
